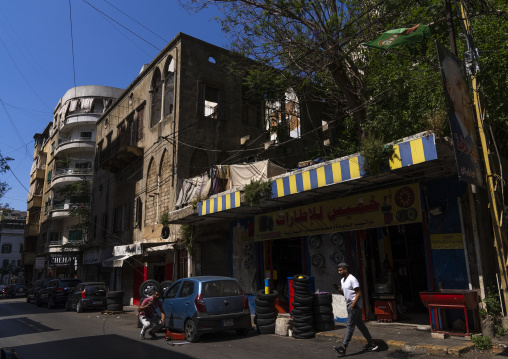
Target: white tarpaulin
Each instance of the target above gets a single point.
(195, 187)
(243, 174)
(115, 261)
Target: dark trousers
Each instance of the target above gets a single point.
(354, 319)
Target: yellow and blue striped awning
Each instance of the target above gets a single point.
(406, 153)
(218, 204)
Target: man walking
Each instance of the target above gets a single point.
(148, 315)
(350, 289)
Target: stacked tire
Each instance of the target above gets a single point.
(303, 325)
(322, 312)
(266, 313)
(114, 301)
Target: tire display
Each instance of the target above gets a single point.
(266, 313)
(323, 312)
(115, 294)
(303, 324)
(114, 307)
(148, 287)
(165, 285)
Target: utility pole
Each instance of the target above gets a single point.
(493, 181)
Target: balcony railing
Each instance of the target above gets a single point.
(66, 206)
(72, 172)
(61, 141)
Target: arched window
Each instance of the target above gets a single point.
(152, 193)
(156, 91)
(166, 180)
(169, 87)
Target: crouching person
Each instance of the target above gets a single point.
(149, 317)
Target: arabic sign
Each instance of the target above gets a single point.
(388, 207)
(61, 260)
(91, 256)
(446, 241)
(130, 249)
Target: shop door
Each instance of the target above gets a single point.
(183, 268)
(409, 265)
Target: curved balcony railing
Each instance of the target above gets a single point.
(62, 141)
(71, 172)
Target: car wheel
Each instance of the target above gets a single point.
(243, 332)
(191, 332)
(79, 307)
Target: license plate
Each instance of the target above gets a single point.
(97, 303)
(228, 322)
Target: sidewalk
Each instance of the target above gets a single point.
(405, 337)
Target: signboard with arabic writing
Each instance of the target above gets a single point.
(388, 207)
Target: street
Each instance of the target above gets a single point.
(40, 333)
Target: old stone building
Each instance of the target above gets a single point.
(181, 117)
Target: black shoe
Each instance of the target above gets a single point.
(371, 347)
(340, 350)
(152, 335)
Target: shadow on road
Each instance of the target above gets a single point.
(20, 326)
(97, 347)
(18, 308)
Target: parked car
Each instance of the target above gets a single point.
(17, 290)
(87, 295)
(4, 289)
(33, 291)
(56, 292)
(200, 305)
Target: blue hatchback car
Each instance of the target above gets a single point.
(199, 305)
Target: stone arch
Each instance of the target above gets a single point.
(152, 192)
(156, 97)
(166, 181)
(169, 86)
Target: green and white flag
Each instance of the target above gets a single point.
(400, 37)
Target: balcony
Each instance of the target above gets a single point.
(32, 230)
(38, 174)
(65, 176)
(61, 210)
(34, 202)
(76, 144)
(121, 152)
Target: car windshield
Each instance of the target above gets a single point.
(96, 288)
(221, 288)
(69, 283)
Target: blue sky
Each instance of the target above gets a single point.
(36, 62)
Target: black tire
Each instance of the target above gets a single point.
(267, 297)
(165, 285)
(243, 332)
(191, 331)
(303, 319)
(323, 327)
(114, 301)
(322, 318)
(266, 329)
(148, 287)
(265, 310)
(322, 299)
(165, 232)
(263, 322)
(307, 335)
(264, 303)
(306, 300)
(300, 328)
(303, 280)
(301, 286)
(114, 307)
(322, 310)
(302, 311)
(270, 315)
(79, 307)
(115, 294)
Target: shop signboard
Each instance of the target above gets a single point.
(129, 249)
(387, 207)
(91, 256)
(39, 262)
(62, 260)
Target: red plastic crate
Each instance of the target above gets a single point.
(385, 310)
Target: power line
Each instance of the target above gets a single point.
(72, 47)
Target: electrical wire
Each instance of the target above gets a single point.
(72, 48)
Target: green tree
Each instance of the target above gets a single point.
(4, 167)
(316, 48)
(79, 193)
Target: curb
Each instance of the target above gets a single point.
(430, 349)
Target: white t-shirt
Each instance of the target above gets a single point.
(348, 286)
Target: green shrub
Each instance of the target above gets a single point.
(499, 331)
(164, 220)
(481, 342)
(375, 154)
(492, 300)
(255, 190)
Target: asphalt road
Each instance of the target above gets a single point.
(40, 333)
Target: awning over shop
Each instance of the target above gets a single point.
(116, 261)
